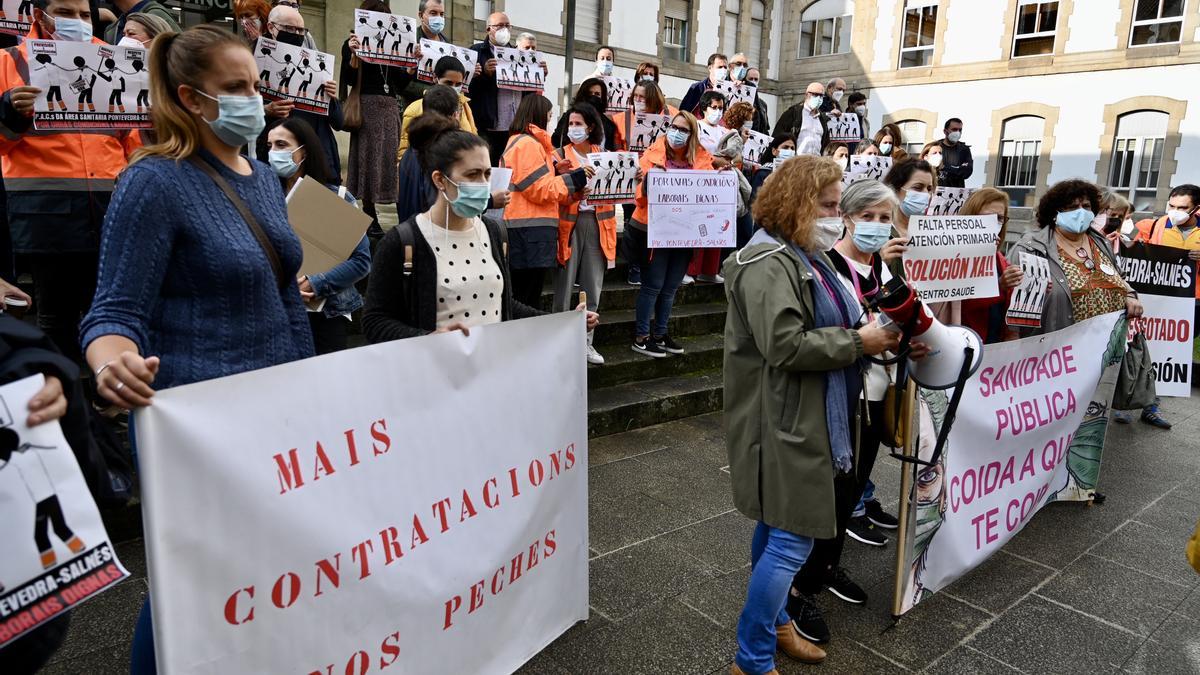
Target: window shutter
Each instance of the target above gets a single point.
(587, 20)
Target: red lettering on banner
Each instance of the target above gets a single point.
(351, 447)
(555, 463)
(383, 442)
(359, 662)
(521, 563)
(277, 590)
(389, 647)
(570, 456)
(439, 510)
(512, 478)
(452, 606)
(332, 572)
(490, 500)
(537, 473)
(290, 476)
(476, 597)
(468, 509)
(418, 532)
(321, 462)
(359, 554)
(231, 607)
(551, 547)
(288, 467)
(391, 545)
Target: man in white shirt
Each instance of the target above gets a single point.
(806, 122)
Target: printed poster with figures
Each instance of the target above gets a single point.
(56, 551)
(89, 86)
(646, 129)
(1165, 279)
(845, 128)
(386, 39)
(947, 201)
(519, 69)
(692, 209)
(753, 148)
(866, 167)
(1028, 299)
(620, 91)
(615, 180)
(296, 74)
(432, 51)
(16, 17)
(736, 92)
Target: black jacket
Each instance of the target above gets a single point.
(403, 305)
(483, 90)
(791, 120)
(762, 117)
(957, 164)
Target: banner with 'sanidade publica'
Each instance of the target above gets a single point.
(1165, 279)
(1029, 430)
(417, 523)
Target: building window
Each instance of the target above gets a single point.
(587, 21)
(825, 28)
(920, 27)
(1156, 22)
(1137, 157)
(484, 9)
(676, 29)
(1020, 149)
(1036, 23)
(733, 15)
(758, 34)
(913, 133)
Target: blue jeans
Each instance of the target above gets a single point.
(660, 280)
(141, 661)
(868, 495)
(775, 557)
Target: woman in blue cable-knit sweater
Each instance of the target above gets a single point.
(186, 292)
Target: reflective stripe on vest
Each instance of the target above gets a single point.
(517, 223)
(532, 178)
(59, 184)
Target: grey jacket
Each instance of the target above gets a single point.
(1058, 312)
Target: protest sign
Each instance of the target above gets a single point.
(620, 91)
(16, 17)
(88, 86)
(845, 128)
(519, 69)
(1028, 299)
(329, 227)
(377, 524)
(736, 92)
(692, 209)
(947, 201)
(866, 167)
(615, 180)
(953, 257)
(433, 51)
(1165, 279)
(386, 39)
(56, 552)
(646, 128)
(1029, 430)
(753, 148)
(296, 74)
(710, 136)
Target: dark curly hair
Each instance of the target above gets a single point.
(901, 172)
(1061, 195)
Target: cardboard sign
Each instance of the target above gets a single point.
(374, 527)
(866, 167)
(1028, 299)
(88, 86)
(692, 209)
(386, 39)
(953, 257)
(1165, 279)
(328, 226)
(433, 51)
(615, 180)
(947, 201)
(646, 128)
(845, 128)
(620, 90)
(56, 552)
(295, 74)
(519, 69)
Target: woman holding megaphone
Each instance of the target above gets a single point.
(793, 377)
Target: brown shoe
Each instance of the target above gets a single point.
(797, 647)
(734, 670)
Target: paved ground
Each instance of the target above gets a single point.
(1100, 589)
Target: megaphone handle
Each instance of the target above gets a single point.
(952, 409)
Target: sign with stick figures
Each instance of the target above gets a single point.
(386, 39)
(89, 86)
(520, 69)
(56, 552)
(615, 180)
(432, 51)
(646, 128)
(287, 73)
(16, 17)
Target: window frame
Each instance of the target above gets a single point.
(1019, 193)
(1135, 142)
(1134, 24)
(683, 49)
(1036, 35)
(726, 17)
(920, 7)
(834, 36)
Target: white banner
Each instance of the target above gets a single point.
(56, 553)
(1023, 436)
(692, 209)
(1165, 279)
(393, 506)
(953, 257)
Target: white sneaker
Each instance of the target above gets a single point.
(688, 280)
(593, 356)
(711, 278)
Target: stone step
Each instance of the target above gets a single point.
(640, 404)
(617, 294)
(622, 365)
(686, 321)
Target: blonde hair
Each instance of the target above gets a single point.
(787, 204)
(1110, 200)
(175, 59)
(154, 25)
(981, 198)
(929, 146)
(693, 136)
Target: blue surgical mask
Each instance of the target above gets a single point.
(472, 199)
(239, 119)
(437, 23)
(72, 30)
(677, 138)
(283, 163)
(1076, 221)
(784, 155)
(885, 149)
(871, 236)
(713, 116)
(915, 203)
(605, 67)
(739, 73)
(577, 134)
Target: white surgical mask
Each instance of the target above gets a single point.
(953, 136)
(713, 116)
(784, 155)
(934, 160)
(647, 78)
(502, 36)
(844, 162)
(604, 67)
(838, 94)
(720, 75)
(861, 110)
(639, 105)
(72, 30)
(131, 42)
(577, 134)
(827, 232)
(814, 102)
(1177, 217)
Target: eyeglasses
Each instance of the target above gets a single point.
(686, 130)
(814, 93)
(294, 30)
(740, 63)
(294, 4)
(501, 25)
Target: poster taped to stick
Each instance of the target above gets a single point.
(296, 74)
(88, 86)
(1165, 279)
(432, 51)
(519, 69)
(354, 527)
(56, 552)
(386, 39)
(953, 257)
(692, 209)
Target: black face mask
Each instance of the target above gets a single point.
(598, 103)
(293, 39)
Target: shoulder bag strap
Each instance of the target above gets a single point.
(252, 222)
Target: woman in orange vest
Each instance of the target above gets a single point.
(662, 269)
(537, 188)
(587, 234)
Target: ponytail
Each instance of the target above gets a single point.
(439, 141)
(175, 59)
